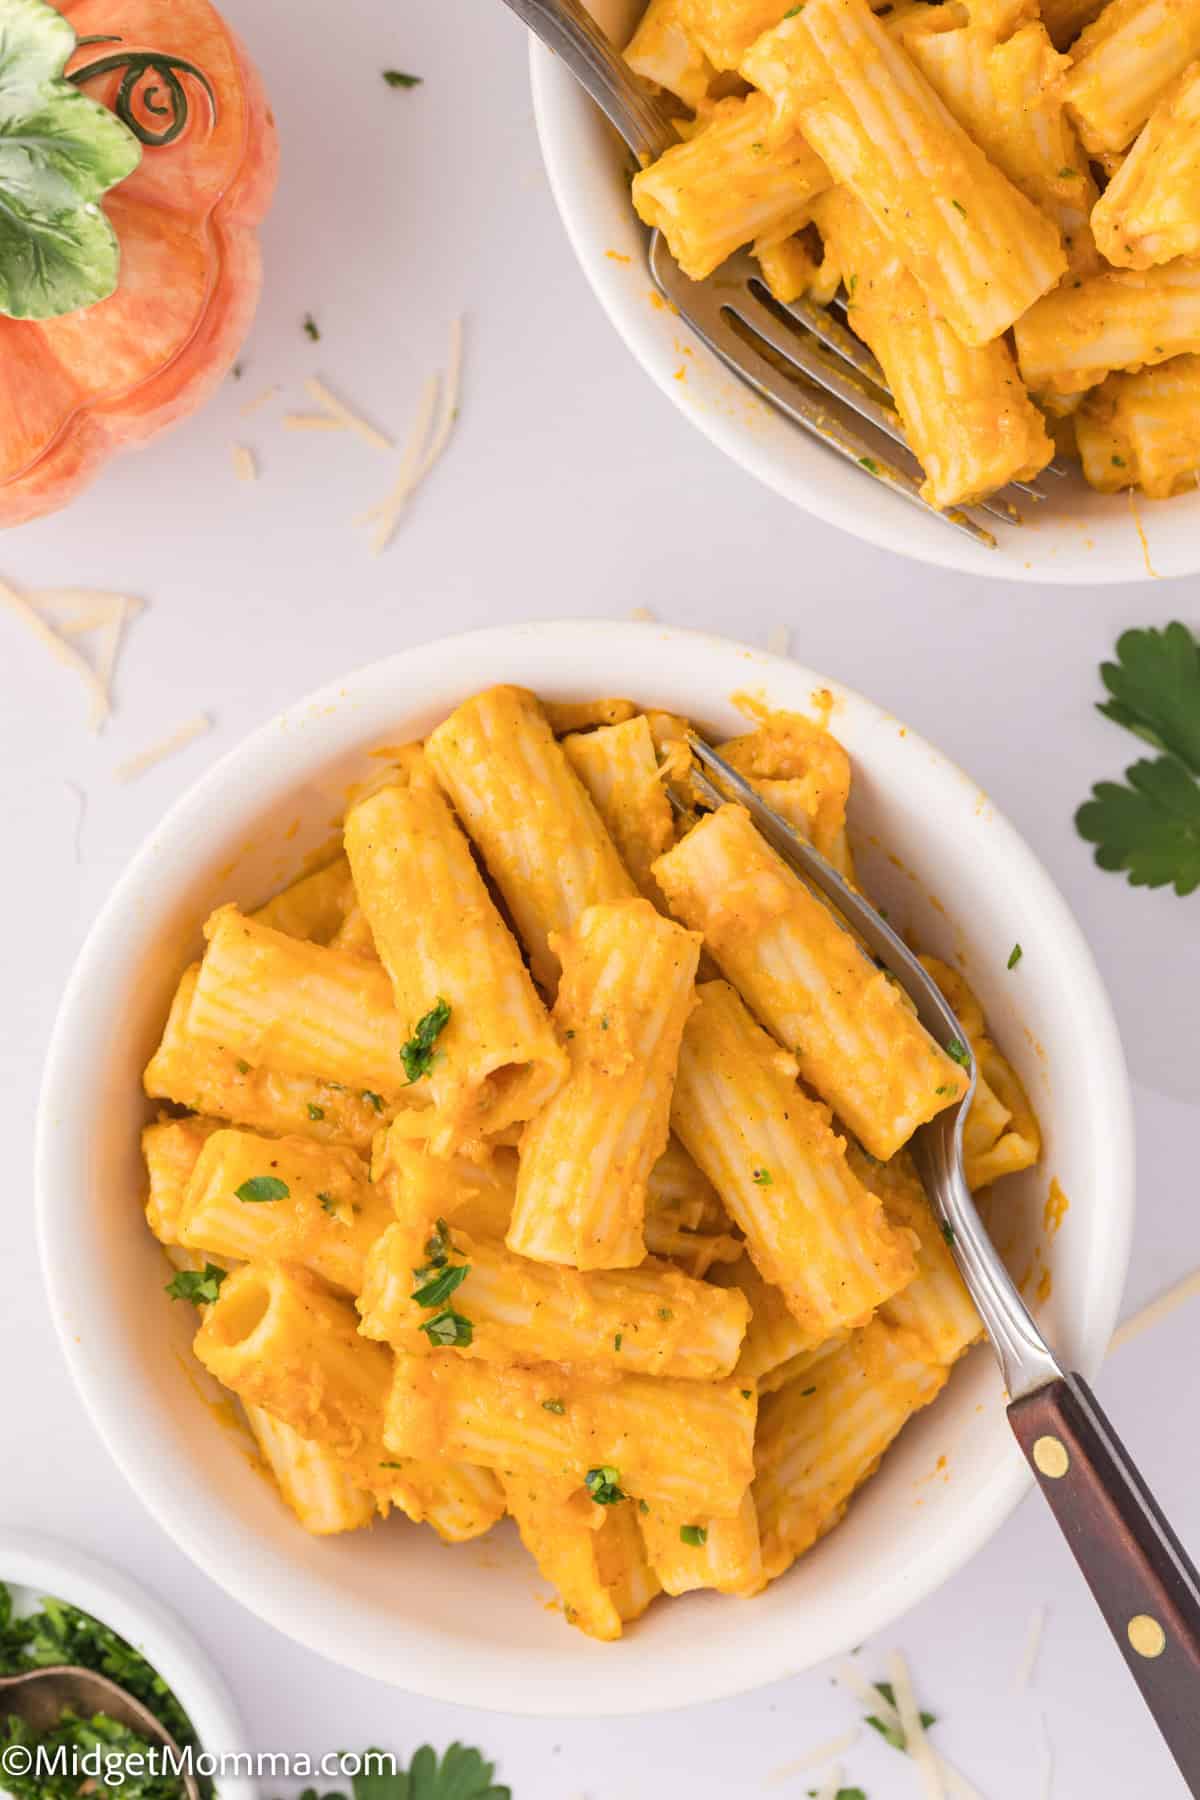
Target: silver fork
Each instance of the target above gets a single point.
(1139, 1573)
(799, 357)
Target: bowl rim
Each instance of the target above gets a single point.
(49, 1566)
(891, 523)
(441, 1669)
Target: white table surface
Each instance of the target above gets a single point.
(572, 489)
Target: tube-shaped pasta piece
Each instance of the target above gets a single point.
(442, 940)
(661, 50)
(968, 419)
(565, 716)
(793, 266)
(316, 907)
(687, 1443)
(935, 1309)
(801, 770)
(299, 1007)
(725, 29)
(811, 1227)
(592, 1555)
(856, 1039)
(1001, 1135)
(1123, 63)
(311, 1479)
(1143, 430)
(686, 1553)
(541, 837)
(1150, 211)
(685, 1220)
(354, 935)
(627, 986)
(774, 1337)
(282, 1342)
(286, 1200)
(171, 1148)
(818, 1441)
(618, 767)
(652, 1320)
(981, 251)
(196, 1072)
(1065, 19)
(727, 185)
(1008, 97)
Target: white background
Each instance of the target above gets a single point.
(571, 489)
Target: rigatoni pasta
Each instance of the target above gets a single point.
(460, 1253)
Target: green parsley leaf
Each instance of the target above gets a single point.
(460, 1774)
(312, 329)
(1149, 828)
(261, 1188)
(439, 1289)
(1118, 462)
(939, 1091)
(694, 1535)
(391, 1465)
(315, 1112)
(200, 1286)
(243, 1067)
(665, 1313)
(948, 1232)
(603, 1484)
(959, 207)
(642, 1507)
(437, 1248)
(1155, 689)
(1067, 173)
(396, 78)
(747, 1393)
(957, 1051)
(417, 1053)
(892, 1734)
(449, 1330)
(618, 1340)
(373, 1099)
(805, 1393)
(869, 463)
(762, 1178)
(1014, 956)
(794, 10)
(554, 1406)
(328, 1203)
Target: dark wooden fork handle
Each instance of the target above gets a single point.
(1142, 1578)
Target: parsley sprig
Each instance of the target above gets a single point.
(892, 1734)
(1149, 825)
(417, 1053)
(201, 1286)
(436, 1281)
(460, 1773)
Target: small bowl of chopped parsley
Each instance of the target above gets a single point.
(58, 1606)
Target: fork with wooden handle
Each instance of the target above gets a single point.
(1142, 1578)
(801, 358)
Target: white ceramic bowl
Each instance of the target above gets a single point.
(36, 1567)
(466, 1624)
(1077, 536)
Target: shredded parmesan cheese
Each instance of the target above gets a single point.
(779, 640)
(850, 1676)
(833, 1781)
(156, 753)
(1158, 1310)
(1033, 1643)
(817, 1758)
(386, 515)
(244, 465)
(259, 401)
(311, 422)
(917, 1744)
(76, 611)
(339, 411)
(62, 651)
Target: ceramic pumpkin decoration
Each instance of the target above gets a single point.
(129, 264)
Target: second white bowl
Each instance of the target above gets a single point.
(466, 1624)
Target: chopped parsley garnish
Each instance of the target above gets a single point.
(604, 1023)
(604, 1485)
(869, 463)
(237, 371)
(794, 10)
(694, 1535)
(417, 1053)
(373, 1099)
(459, 1774)
(396, 78)
(1014, 956)
(437, 1249)
(959, 207)
(618, 1340)
(200, 1286)
(747, 1393)
(438, 1289)
(1149, 825)
(391, 1465)
(312, 329)
(943, 1090)
(642, 1507)
(892, 1734)
(1118, 462)
(554, 1406)
(261, 1188)
(806, 1393)
(664, 1312)
(328, 1203)
(948, 1232)
(762, 1178)
(449, 1330)
(1067, 173)
(957, 1051)
(61, 1634)
(315, 1112)
(243, 1067)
